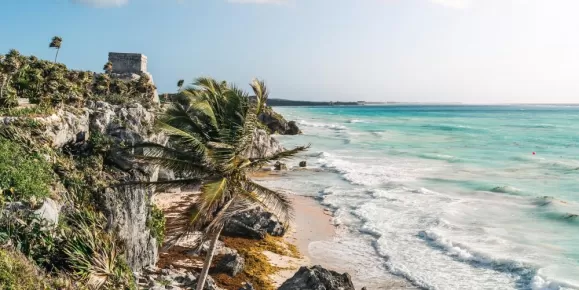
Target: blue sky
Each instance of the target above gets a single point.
(476, 51)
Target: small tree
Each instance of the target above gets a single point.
(108, 67)
(56, 43)
(180, 84)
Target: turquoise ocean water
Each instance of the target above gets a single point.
(447, 197)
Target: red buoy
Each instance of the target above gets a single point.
(534, 153)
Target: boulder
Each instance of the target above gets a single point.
(276, 123)
(49, 211)
(293, 128)
(231, 264)
(318, 278)
(220, 249)
(254, 224)
(280, 166)
(303, 164)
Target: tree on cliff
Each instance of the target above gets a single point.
(180, 84)
(56, 43)
(108, 67)
(211, 129)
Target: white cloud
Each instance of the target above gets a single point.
(102, 3)
(458, 4)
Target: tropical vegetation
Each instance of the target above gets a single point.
(211, 128)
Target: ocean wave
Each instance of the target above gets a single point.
(506, 189)
(563, 165)
(448, 127)
(322, 125)
(443, 157)
(353, 121)
(321, 154)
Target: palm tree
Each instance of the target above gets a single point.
(108, 67)
(180, 84)
(261, 94)
(56, 43)
(210, 130)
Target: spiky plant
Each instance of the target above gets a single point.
(93, 254)
(211, 130)
(56, 43)
(261, 94)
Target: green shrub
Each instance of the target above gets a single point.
(17, 273)
(30, 235)
(23, 174)
(156, 223)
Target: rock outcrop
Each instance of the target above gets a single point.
(254, 224)
(126, 209)
(263, 145)
(277, 123)
(318, 278)
(231, 264)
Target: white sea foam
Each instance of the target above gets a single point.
(440, 235)
(321, 125)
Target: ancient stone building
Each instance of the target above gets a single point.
(129, 66)
(128, 62)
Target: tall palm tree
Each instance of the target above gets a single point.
(56, 43)
(261, 94)
(108, 67)
(180, 84)
(210, 130)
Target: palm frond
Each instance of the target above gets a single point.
(261, 94)
(276, 202)
(161, 185)
(257, 163)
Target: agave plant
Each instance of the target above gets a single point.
(94, 254)
(211, 130)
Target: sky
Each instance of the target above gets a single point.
(470, 51)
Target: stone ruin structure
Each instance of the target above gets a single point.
(128, 62)
(130, 66)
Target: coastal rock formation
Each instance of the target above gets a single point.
(276, 123)
(318, 278)
(263, 145)
(59, 128)
(126, 209)
(231, 264)
(303, 164)
(280, 166)
(254, 224)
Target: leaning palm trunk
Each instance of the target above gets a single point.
(208, 259)
(56, 57)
